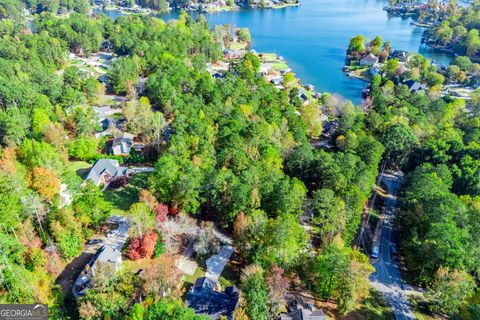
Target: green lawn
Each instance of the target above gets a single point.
(79, 167)
(104, 101)
(200, 272)
(123, 198)
(238, 45)
(375, 307)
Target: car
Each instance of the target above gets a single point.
(94, 241)
(375, 251)
(112, 233)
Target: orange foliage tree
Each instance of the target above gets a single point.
(45, 182)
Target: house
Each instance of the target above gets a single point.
(107, 45)
(107, 257)
(415, 86)
(216, 263)
(206, 300)
(302, 94)
(304, 314)
(122, 144)
(265, 68)
(402, 56)
(229, 54)
(278, 80)
(105, 111)
(104, 170)
(369, 60)
(329, 128)
(375, 69)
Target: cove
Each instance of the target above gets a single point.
(314, 36)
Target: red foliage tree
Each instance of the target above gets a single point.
(118, 182)
(148, 244)
(173, 210)
(133, 252)
(161, 212)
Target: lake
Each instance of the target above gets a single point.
(314, 36)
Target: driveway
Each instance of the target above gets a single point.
(387, 277)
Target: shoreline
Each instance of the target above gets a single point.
(148, 11)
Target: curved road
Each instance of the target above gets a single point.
(387, 277)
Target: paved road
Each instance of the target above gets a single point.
(387, 277)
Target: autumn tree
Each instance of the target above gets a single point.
(45, 182)
(277, 284)
(161, 278)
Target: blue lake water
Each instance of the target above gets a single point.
(313, 37)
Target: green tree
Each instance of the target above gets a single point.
(398, 139)
(90, 205)
(284, 240)
(254, 288)
(450, 290)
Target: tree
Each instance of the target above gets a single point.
(356, 46)
(40, 121)
(244, 34)
(206, 242)
(375, 45)
(391, 68)
(277, 285)
(329, 214)
(90, 205)
(149, 242)
(284, 240)
(464, 63)
(340, 272)
(255, 292)
(450, 290)
(122, 72)
(142, 219)
(83, 148)
(161, 279)
(39, 154)
(473, 42)
(68, 234)
(45, 182)
(398, 139)
(167, 309)
(110, 293)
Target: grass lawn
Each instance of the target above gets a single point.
(104, 101)
(278, 64)
(123, 198)
(200, 272)
(79, 167)
(375, 307)
(421, 311)
(238, 45)
(134, 266)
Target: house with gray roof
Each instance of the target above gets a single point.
(206, 300)
(107, 257)
(104, 170)
(415, 86)
(402, 56)
(122, 144)
(216, 263)
(369, 60)
(304, 314)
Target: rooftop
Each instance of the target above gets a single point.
(105, 166)
(203, 298)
